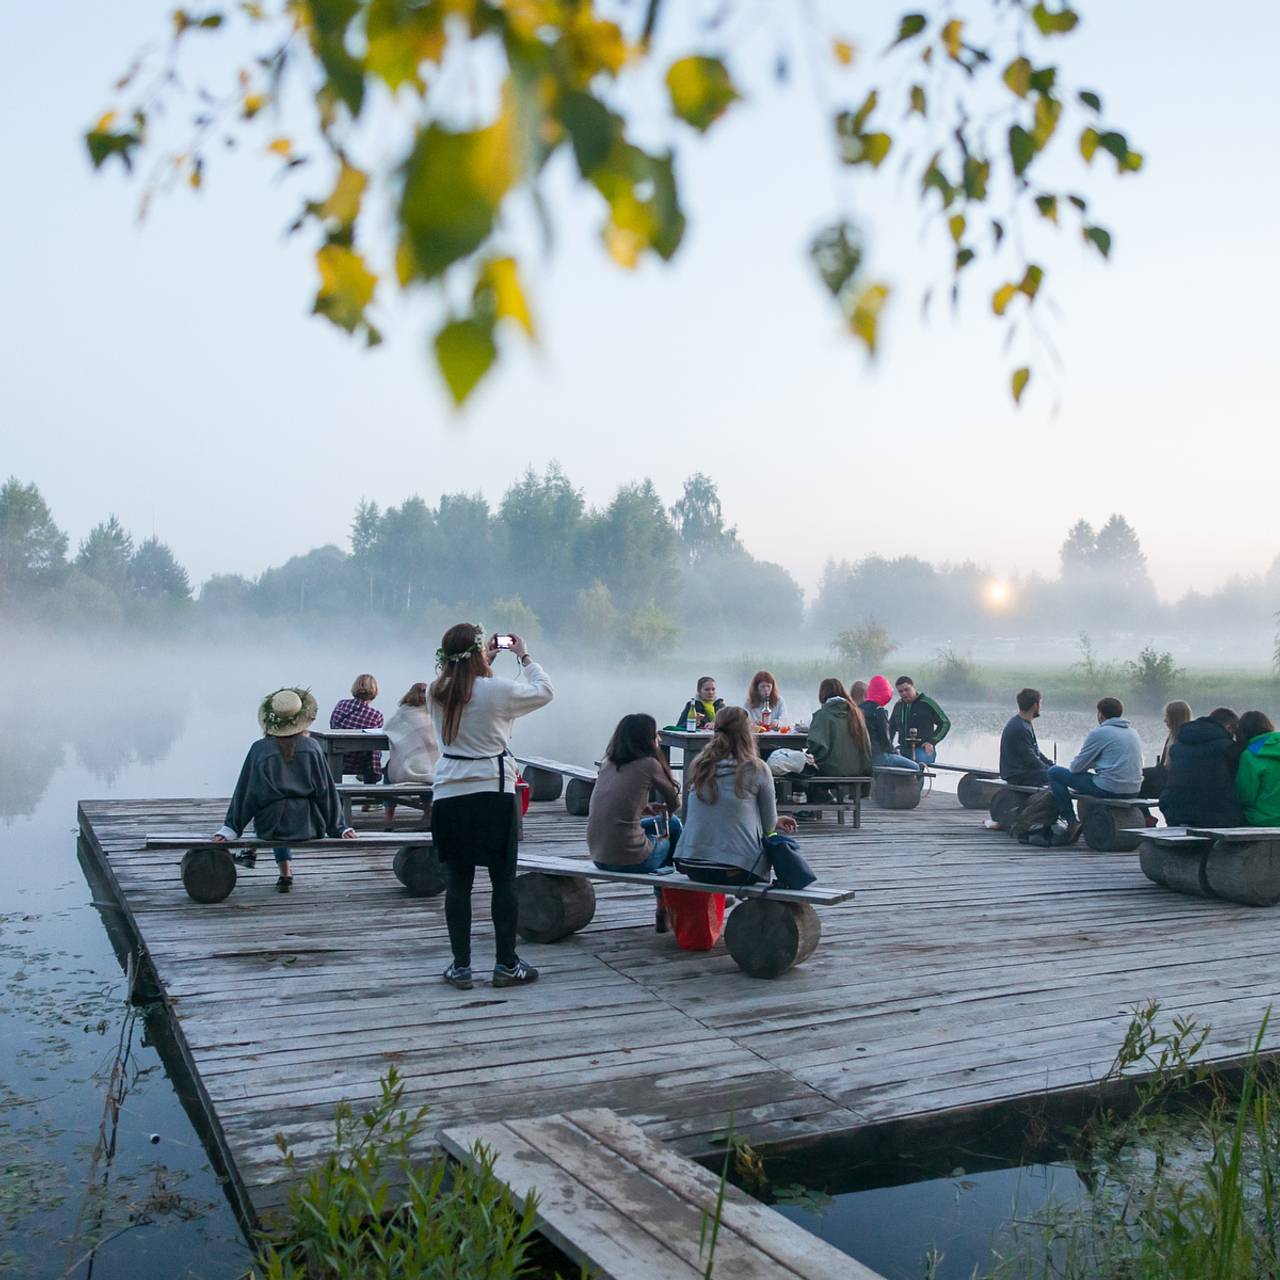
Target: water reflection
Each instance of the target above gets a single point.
(27, 765)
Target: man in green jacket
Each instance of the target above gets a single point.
(919, 723)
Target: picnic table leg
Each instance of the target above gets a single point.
(553, 907)
(208, 873)
(1104, 826)
(766, 937)
(418, 868)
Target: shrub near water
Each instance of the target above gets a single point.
(369, 1212)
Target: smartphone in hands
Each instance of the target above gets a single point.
(505, 642)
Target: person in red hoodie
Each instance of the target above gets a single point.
(872, 699)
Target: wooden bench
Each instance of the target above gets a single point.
(1109, 825)
(1236, 864)
(416, 795)
(624, 1207)
(209, 869)
(547, 778)
(848, 797)
(768, 933)
(975, 787)
(898, 788)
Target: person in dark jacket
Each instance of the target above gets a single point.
(285, 788)
(918, 722)
(1201, 790)
(871, 699)
(705, 707)
(1021, 761)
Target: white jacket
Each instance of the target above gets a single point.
(484, 733)
(414, 746)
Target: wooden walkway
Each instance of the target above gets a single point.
(968, 970)
(627, 1208)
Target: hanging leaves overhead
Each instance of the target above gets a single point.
(492, 90)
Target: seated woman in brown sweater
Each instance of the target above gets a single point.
(625, 832)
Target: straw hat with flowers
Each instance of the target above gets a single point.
(286, 712)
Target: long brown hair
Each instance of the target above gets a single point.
(452, 687)
(287, 745)
(831, 687)
(753, 698)
(732, 740)
(416, 697)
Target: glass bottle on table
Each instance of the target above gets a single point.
(766, 715)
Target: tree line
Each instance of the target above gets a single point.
(633, 575)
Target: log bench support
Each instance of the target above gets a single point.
(898, 788)
(975, 790)
(1110, 826)
(577, 796)
(544, 784)
(1229, 863)
(767, 933)
(549, 779)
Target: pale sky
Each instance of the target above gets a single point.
(170, 372)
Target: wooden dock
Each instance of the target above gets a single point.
(969, 970)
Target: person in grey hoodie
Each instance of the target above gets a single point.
(1108, 765)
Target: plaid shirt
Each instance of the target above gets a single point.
(351, 713)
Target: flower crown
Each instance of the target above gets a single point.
(444, 658)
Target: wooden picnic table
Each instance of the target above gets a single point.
(338, 742)
(690, 744)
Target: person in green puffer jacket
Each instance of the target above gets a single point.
(1258, 777)
(838, 738)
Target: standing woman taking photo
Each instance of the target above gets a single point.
(473, 811)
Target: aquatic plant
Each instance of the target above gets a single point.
(371, 1212)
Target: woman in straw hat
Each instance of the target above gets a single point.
(473, 810)
(285, 787)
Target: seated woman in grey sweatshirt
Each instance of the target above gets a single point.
(729, 808)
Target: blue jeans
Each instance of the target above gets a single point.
(887, 760)
(1063, 781)
(926, 755)
(659, 860)
(282, 855)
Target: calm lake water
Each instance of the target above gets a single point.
(138, 1199)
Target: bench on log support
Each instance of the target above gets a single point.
(209, 869)
(416, 795)
(547, 778)
(1110, 826)
(848, 797)
(1236, 864)
(624, 1207)
(975, 787)
(895, 788)
(769, 932)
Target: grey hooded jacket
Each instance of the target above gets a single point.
(1113, 752)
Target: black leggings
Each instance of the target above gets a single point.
(459, 877)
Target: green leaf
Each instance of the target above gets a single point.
(1100, 238)
(919, 103)
(963, 258)
(976, 174)
(343, 204)
(1031, 281)
(103, 142)
(465, 351)
(1043, 79)
(591, 127)
(1047, 112)
(1019, 382)
(1054, 22)
(453, 185)
(863, 113)
(1022, 149)
(837, 253)
(1047, 207)
(1017, 75)
(1088, 144)
(346, 286)
(910, 26)
(701, 90)
(499, 291)
(1080, 202)
(956, 225)
(1090, 99)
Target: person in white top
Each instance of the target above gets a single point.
(764, 695)
(414, 746)
(473, 811)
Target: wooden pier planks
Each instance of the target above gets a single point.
(629, 1209)
(969, 969)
